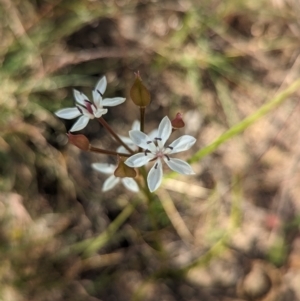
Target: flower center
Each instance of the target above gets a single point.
(159, 153)
(88, 106)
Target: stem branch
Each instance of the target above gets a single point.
(107, 152)
(111, 131)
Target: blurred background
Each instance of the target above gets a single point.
(231, 232)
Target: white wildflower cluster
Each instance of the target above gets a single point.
(139, 148)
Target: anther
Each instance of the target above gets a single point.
(88, 106)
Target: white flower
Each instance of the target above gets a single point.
(129, 142)
(112, 180)
(89, 110)
(155, 150)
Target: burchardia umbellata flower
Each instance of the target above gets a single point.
(155, 149)
(89, 110)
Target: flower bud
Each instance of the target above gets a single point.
(124, 171)
(139, 93)
(177, 122)
(81, 141)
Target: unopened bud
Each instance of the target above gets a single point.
(139, 93)
(177, 122)
(124, 171)
(81, 141)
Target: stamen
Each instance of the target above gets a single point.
(79, 109)
(167, 157)
(170, 147)
(100, 93)
(88, 106)
(146, 152)
(156, 165)
(148, 142)
(157, 138)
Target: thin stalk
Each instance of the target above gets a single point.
(111, 131)
(248, 121)
(107, 152)
(142, 116)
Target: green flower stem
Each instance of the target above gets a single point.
(112, 132)
(107, 152)
(248, 121)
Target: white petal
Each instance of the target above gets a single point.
(164, 131)
(97, 99)
(68, 113)
(111, 102)
(153, 134)
(179, 166)
(155, 176)
(80, 97)
(104, 167)
(142, 140)
(110, 182)
(126, 140)
(122, 149)
(98, 113)
(182, 143)
(101, 85)
(80, 124)
(138, 160)
(130, 184)
(85, 112)
(136, 125)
